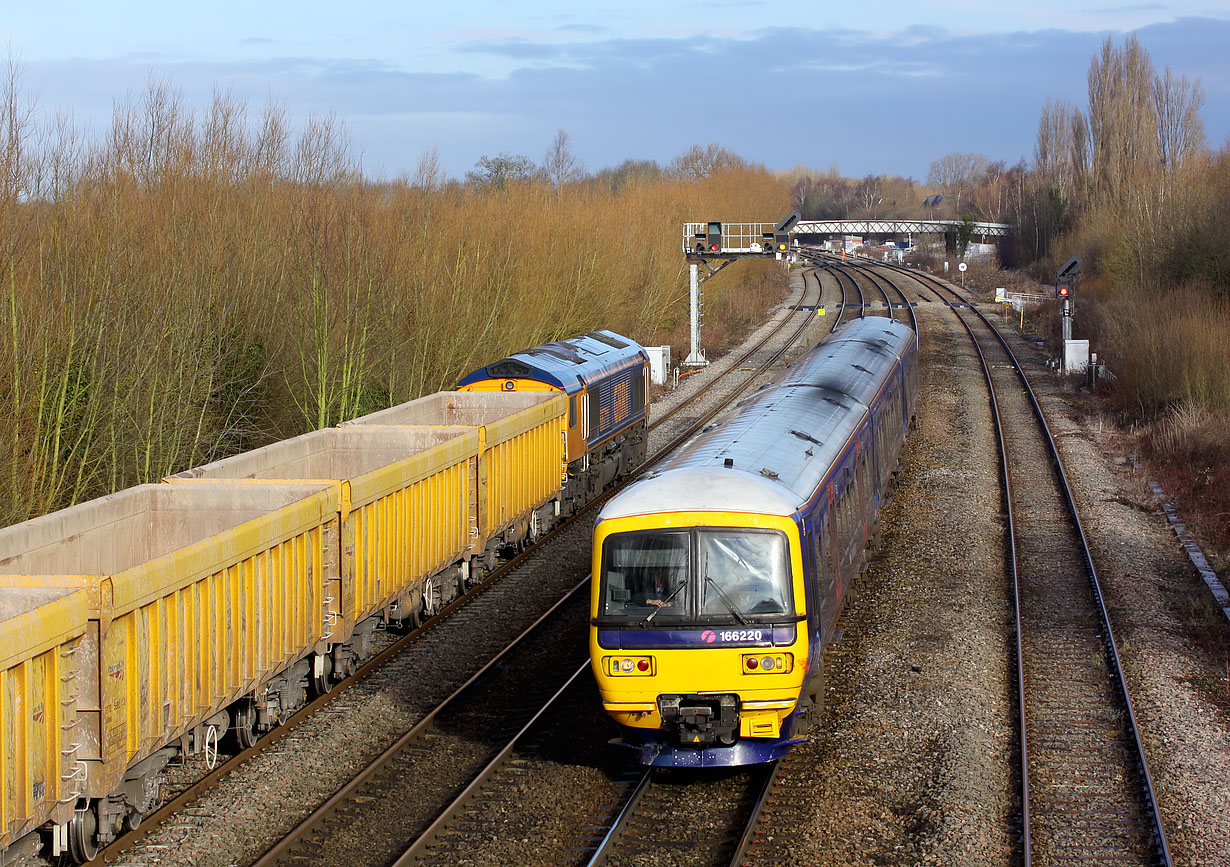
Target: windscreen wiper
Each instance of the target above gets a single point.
(667, 601)
(734, 609)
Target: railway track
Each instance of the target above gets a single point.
(1087, 795)
(376, 816)
(685, 819)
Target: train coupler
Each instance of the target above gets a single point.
(701, 720)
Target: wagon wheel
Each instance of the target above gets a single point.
(245, 725)
(323, 681)
(83, 835)
(211, 747)
(428, 608)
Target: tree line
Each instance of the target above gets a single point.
(193, 283)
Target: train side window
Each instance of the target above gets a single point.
(823, 568)
(572, 411)
(830, 538)
(850, 511)
(845, 524)
(638, 392)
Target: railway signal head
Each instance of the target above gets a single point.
(1063, 291)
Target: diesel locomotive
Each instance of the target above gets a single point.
(606, 379)
(720, 575)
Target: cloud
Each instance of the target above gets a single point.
(1138, 7)
(587, 29)
(871, 102)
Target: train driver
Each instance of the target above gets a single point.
(660, 593)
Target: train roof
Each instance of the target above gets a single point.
(565, 364)
(782, 441)
(856, 361)
(880, 331)
(780, 445)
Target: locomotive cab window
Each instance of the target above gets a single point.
(702, 576)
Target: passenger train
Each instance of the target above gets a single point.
(720, 575)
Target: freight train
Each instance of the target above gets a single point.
(152, 622)
(721, 573)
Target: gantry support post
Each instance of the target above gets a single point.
(696, 357)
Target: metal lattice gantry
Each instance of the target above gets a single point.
(896, 227)
(754, 238)
(720, 240)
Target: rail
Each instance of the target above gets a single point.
(1057, 835)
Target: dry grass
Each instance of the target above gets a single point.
(195, 285)
(1168, 349)
(1188, 448)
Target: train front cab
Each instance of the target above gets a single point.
(699, 639)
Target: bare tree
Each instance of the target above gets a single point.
(1180, 132)
(560, 166)
(270, 151)
(1122, 118)
(16, 128)
(956, 173)
(630, 172)
(429, 174)
(700, 162)
(991, 195)
(1058, 158)
(1081, 155)
(495, 173)
(869, 194)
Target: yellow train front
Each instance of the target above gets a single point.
(720, 575)
(698, 645)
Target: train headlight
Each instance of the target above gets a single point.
(768, 663)
(629, 666)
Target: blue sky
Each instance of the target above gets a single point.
(871, 88)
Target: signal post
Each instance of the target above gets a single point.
(1065, 282)
(714, 240)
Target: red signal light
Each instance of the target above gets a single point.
(1063, 291)
(713, 247)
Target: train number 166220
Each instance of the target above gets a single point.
(742, 635)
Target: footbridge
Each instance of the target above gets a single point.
(726, 239)
(897, 227)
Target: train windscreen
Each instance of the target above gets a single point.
(701, 575)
